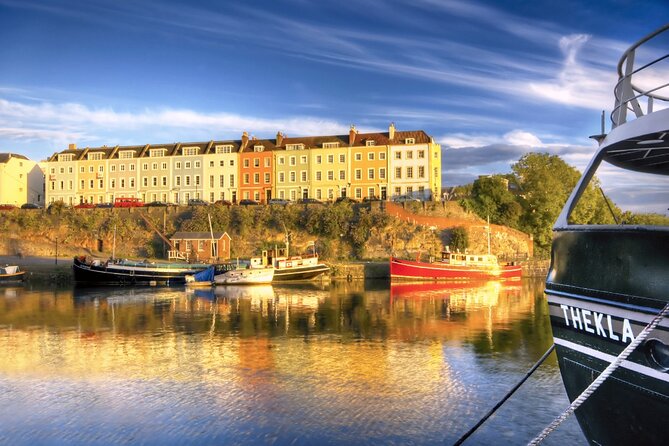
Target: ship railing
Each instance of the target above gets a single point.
(630, 96)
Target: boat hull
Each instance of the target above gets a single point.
(409, 269)
(249, 276)
(19, 276)
(105, 273)
(599, 300)
(298, 273)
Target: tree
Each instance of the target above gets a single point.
(459, 239)
(491, 198)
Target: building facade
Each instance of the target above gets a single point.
(21, 180)
(377, 165)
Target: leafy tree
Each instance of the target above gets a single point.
(491, 198)
(459, 239)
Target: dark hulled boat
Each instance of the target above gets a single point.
(129, 272)
(607, 282)
(11, 274)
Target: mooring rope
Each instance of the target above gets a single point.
(506, 397)
(602, 377)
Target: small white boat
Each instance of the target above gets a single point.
(11, 273)
(238, 274)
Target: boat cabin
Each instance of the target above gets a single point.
(465, 259)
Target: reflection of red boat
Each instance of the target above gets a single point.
(427, 290)
(454, 266)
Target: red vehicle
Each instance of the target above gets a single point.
(7, 207)
(128, 202)
(84, 206)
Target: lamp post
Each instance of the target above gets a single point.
(56, 250)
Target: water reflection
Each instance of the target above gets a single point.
(360, 363)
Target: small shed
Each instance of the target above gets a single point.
(200, 246)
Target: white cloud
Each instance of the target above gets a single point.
(522, 138)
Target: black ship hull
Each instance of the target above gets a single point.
(114, 274)
(599, 301)
(299, 273)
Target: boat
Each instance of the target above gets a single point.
(11, 274)
(131, 272)
(252, 273)
(289, 268)
(607, 285)
(454, 266)
(204, 278)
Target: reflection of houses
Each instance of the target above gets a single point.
(200, 246)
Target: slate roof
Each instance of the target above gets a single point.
(5, 157)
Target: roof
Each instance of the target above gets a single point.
(5, 157)
(198, 235)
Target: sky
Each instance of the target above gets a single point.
(489, 80)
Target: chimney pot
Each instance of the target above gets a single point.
(351, 135)
(391, 131)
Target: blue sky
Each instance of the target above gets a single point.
(490, 80)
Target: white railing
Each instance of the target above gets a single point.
(631, 96)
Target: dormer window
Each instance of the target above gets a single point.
(126, 154)
(330, 145)
(190, 151)
(370, 143)
(294, 146)
(154, 153)
(65, 157)
(226, 148)
(258, 148)
(410, 141)
(95, 156)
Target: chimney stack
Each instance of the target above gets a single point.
(245, 141)
(279, 138)
(72, 146)
(391, 131)
(351, 135)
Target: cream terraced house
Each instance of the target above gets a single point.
(21, 180)
(357, 165)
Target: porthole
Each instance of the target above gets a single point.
(657, 353)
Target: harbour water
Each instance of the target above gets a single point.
(355, 363)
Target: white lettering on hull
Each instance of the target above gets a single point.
(582, 319)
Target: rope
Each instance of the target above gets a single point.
(506, 397)
(602, 377)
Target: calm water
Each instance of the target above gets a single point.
(350, 363)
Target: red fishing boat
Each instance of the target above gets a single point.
(454, 266)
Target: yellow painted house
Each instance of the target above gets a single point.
(21, 180)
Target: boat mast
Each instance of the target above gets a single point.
(114, 244)
(488, 231)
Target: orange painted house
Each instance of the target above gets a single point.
(256, 169)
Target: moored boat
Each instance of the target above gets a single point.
(131, 272)
(607, 282)
(289, 268)
(11, 274)
(252, 273)
(454, 266)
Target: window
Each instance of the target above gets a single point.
(256, 162)
(409, 172)
(101, 168)
(221, 163)
(82, 169)
(318, 175)
(421, 154)
(303, 159)
(266, 178)
(330, 145)
(197, 180)
(126, 154)
(382, 155)
(190, 151)
(370, 174)
(247, 163)
(281, 160)
(197, 164)
(258, 148)
(282, 177)
(409, 190)
(358, 193)
(91, 169)
(211, 164)
(122, 182)
(398, 155)
(65, 157)
(225, 148)
(187, 165)
(330, 175)
(256, 178)
(177, 181)
(371, 192)
(101, 184)
(319, 159)
(164, 182)
(153, 153)
(294, 146)
(145, 166)
(410, 141)
(292, 176)
(342, 174)
(247, 178)
(410, 154)
(303, 176)
(232, 162)
(398, 172)
(319, 195)
(154, 181)
(358, 156)
(330, 159)
(131, 167)
(187, 180)
(112, 184)
(145, 181)
(370, 143)
(177, 165)
(95, 156)
(69, 170)
(221, 180)
(232, 180)
(83, 184)
(164, 166)
(382, 173)
(370, 156)
(358, 174)
(121, 167)
(342, 158)
(293, 161)
(132, 182)
(421, 171)
(267, 162)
